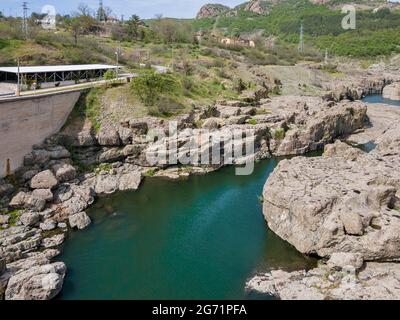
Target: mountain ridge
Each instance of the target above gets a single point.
(262, 7)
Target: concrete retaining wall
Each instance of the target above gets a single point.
(26, 121)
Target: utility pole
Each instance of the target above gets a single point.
(326, 56)
(25, 19)
(118, 53)
(172, 57)
(301, 43)
(18, 93)
(101, 16)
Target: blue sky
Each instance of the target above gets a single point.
(144, 8)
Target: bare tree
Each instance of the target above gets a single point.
(108, 12)
(84, 10)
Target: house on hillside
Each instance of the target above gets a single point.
(238, 41)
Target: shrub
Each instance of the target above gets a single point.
(149, 86)
(252, 122)
(110, 74)
(279, 134)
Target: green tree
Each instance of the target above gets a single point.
(150, 85)
(81, 25)
(133, 26)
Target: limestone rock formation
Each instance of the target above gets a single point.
(211, 10)
(377, 281)
(35, 278)
(79, 220)
(346, 201)
(257, 6)
(44, 180)
(392, 91)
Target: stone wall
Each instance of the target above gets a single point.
(26, 121)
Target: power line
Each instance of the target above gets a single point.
(101, 15)
(25, 18)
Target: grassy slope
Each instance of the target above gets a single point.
(322, 26)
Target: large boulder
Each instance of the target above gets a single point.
(30, 218)
(44, 194)
(79, 220)
(392, 91)
(53, 241)
(37, 283)
(108, 136)
(27, 201)
(72, 199)
(44, 180)
(64, 172)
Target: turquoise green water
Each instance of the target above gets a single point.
(200, 238)
(377, 98)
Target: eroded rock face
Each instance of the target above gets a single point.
(392, 91)
(108, 136)
(44, 180)
(27, 201)
(79, 220)
(378, 281)
(339, 203)
(41, 282)
(211, 10)
(257, 6)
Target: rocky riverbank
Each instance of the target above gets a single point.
(64, 175)
(343, 207)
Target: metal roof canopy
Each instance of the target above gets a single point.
(60, 68)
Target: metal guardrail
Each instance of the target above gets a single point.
(7, 94)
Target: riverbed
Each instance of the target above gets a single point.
(199, 238)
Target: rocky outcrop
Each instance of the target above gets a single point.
(44, 180)
(344, 206)
(257, 6)
(35, 277)
(357, 88)
(211, 10)
(392, 91)
(377, 281)
(79, 220)
(344, 202)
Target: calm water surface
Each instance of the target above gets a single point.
(377, 98)
(199, 238)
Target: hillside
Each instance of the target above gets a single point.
(263, 7)
(375, 35)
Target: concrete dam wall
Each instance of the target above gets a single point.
(26, 121)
